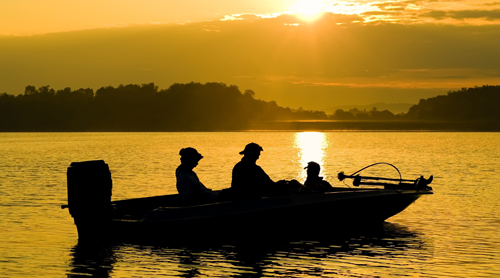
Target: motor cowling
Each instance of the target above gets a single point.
(89, 198)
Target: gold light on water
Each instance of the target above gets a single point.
(312, 147)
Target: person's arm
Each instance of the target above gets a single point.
(184, 186)
(264, 177)
(204, 188)
(326, 184)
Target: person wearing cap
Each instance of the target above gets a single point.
(188, 184)
(313, 180)
(248, 178)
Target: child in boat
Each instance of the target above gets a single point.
(314, 181)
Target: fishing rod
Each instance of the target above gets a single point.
(419, 183)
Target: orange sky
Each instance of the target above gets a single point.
(314, 54)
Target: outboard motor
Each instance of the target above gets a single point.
(89, 199)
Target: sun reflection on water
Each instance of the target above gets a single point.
(312, 147)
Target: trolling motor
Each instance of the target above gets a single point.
(420, 183)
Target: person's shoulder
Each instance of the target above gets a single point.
(326, 184)
(244, 164)
(182, 170)
(259, 168)
(238, 165)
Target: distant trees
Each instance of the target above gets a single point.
(477, 104)
(209, 106)
(372, 115)
(45, 109)
(181, 107)
(468, 104)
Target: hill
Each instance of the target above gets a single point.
(478, 104)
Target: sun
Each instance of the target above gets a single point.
(309, 9)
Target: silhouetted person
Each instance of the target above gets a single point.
(313, 180)
(249, 179)
(188, 185)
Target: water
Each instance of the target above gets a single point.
(453, 233)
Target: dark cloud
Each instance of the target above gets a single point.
(435, 14)
(464, 14)
(492, 4)
(485, 14)
(396, 9)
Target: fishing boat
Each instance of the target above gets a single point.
(157, 217)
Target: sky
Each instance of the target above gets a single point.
(300, 53)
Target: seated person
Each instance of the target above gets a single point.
(188, 185)
(314, 181)
(248, 178)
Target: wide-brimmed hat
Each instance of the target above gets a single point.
(190, 153)
(252, 148)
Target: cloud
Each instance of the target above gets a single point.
(492, 4)
(330, 56)
(290, 18)
(485, 14)
(246, 16)
(492, 15)
(435, 14)
(397, 78)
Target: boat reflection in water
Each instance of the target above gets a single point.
(328, 253)
(92, 260)
(288, 234)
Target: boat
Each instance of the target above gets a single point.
(97, 217)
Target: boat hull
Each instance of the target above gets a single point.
(299, 213)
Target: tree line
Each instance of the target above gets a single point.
(207, 107)
(477, 104)
(181, 107)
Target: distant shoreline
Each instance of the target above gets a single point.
(465, 126)
(322, 125)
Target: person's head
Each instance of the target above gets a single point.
(252, 151)
(313, 169)
(190, 157)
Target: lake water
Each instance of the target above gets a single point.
(453, 233)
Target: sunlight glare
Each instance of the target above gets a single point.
(309, 10)
(312, 147)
